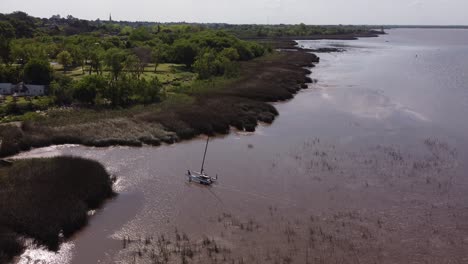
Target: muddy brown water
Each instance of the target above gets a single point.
(369, 165)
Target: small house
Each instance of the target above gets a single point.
(22, 89)
(5, 88)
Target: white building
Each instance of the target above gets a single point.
(5, 88)
(22, 89)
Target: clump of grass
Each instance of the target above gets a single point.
(10, 136)
(180, 249)
(48, 199)
(10, 245)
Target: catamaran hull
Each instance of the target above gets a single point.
(195, 179)
(200, 179)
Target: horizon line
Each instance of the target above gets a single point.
(259, 24)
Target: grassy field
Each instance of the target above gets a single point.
(39, 101)
(23, 108)
(168, 73)
(48, 200)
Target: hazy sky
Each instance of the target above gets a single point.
(254, 11)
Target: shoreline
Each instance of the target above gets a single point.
(241, 104)
(290, 42)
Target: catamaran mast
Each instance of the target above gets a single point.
(204, 155)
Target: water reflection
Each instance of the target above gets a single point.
(43, 256)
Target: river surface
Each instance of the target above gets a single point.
(368, 165)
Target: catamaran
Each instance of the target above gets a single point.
(201, 177)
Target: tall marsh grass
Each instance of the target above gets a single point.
(48, 200)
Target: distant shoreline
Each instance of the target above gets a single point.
(427, 27)
(353, 36)
(289, 42)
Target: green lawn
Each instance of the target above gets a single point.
(171, 75)
(26, 107)
(42, 101)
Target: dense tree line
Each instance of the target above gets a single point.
(300, 30)
(27, 26)
(113, 56)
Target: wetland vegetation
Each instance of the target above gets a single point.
(47, 200)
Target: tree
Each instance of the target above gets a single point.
(23, 50)
(156, 56)
(148, 91)
(23, 23)
(95, 61)
(37, 72)
(93, 54)
(302, 29)
(7, 33)
(78, 56)
(204, 65)
(144, 55)
(126, 30)
(256, 49)
(61, 90)
(184, 52)
(10, 74)
(244, 52)
(132, 64)
(230, 53)
(87, 89)
(65, 59)
(114, 58)
(120, 90)
(140, 34)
